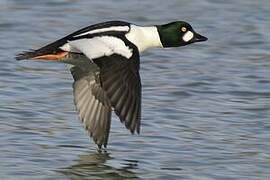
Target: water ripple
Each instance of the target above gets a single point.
(205, 107)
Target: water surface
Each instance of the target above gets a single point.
(206, 107)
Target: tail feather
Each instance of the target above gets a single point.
(26, 55)
(52, 48)
(44, 56)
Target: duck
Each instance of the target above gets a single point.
(104, 61)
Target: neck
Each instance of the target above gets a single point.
(144, 37)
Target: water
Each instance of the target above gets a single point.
(206, 107)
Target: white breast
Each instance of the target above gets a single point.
(144, 37)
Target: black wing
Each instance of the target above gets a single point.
(116, 84)
(118, 74)
(121, 80)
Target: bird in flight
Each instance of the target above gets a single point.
(105, 59)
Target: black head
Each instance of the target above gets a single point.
(178, 33)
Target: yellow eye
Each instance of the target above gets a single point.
(183, 29)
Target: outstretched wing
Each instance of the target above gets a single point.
(121, 80)
(117, 76)
(92, 103)
(118, 62)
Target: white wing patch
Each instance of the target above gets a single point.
(99, 46)
(112, 28)
(188, 36)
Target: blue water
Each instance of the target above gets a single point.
(206, 107)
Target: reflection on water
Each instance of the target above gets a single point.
(205, 107)
(95, 166)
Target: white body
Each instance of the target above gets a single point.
(142, 37)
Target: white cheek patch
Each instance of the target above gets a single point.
(188, 36)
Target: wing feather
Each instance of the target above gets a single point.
(121, 81)
(92, 104)
(115, 84)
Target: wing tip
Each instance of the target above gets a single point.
(138, 130)
(133, 130)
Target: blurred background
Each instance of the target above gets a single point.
(206, 107)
